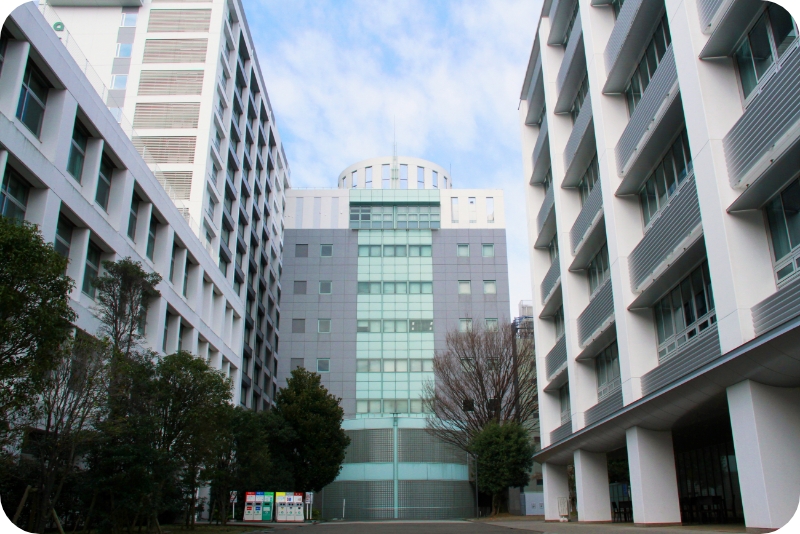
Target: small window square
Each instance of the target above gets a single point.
(323, 365)
(465, 325)
(464, 287)
(490, 287)
(325, 287)
(300, 287)
(326, 251)
(463, 250)
(298, 326)
(324, 326)
(491, 324)
(488, 250)
(301, 251)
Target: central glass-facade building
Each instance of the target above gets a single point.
(377, 272)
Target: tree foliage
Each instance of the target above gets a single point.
(505, 457)
(477, 381)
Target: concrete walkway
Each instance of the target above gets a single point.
(607, 528)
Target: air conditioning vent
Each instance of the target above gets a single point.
(164, 150)
(175, 50)
(179, 20)
(178, 184)
(166, 115)
(171, 82)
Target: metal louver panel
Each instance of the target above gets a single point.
(599, 309)
(164, 150)
(588, 214)
(569, 53)
(171, 82)
(544, 211)
(419, 446)
(692, 356)
(622, 28)
(551, 279)
(706, 10)
(579, 129)
(659, 91)
(561, 432)
(541, 141)
(366, 499)
(177, 183)
(778, 308)
(435, 499)
(556, 357)
(179, 20)
(771, 114)
(166, 115)
(372, 445)
(175, 50)
(677, 221)
(604, 408)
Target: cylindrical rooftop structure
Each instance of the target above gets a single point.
(388, 172)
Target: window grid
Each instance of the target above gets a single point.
(77, 151)
(104, 183)
(92, 269)
(487, 250)
(598, 270)
(32, 99)
(653, 54)
(783, 217)
(395, 288)
(13, 195)
(607, 368)
(665, 181)
(464, 287)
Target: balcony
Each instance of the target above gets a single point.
(535, 96)
(580, 146)
(762, 148)
(631, 33)
(540, 149)
(232, 157)
(598, 315)
(604, 408)
(701, 350)
(551, 280)
(562, 432)
(666, 245)
(707, 11)
(546, 212)
(727, 21)
(556, 359)
(654, 122)
(560, 12)
(588, 220)
(778, 308)
(572, 70)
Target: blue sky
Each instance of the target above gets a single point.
(449, 73)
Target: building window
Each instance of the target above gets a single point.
(395, 251)
(783, 216)
(563, 399)
(403, 176)
(151, 237)
(685, 312)
(124, 49)
(418, 325)
(464, 287)
(491, 324)
(354, 179)
(463, 250)
(369, 250)
(425, 288)
(490, 209)
(32, 99)
(92, 269)
(489, 287)
(598, 269)
(419, 250)
(473, 210)
(435, 180)
(172, 264)
(368, 326)
(763, 46)
(119, 81)
(13, 195)
(385, 176)
(607, 367)
(420, 177)
(326, 251)
(547, 183)
(577, 102)
(63, 236)
(77, 151)
(454, 209)
(3, 45)
(571, 23)
(301, 251)
(186, 267)
(663, 183)
(487, 250)
(133, 217)
(298, 326)
(589, 179)
(369, 288)
(325, 287)
(654, 51)
(552, 249)
(104, 182)
(558, 321)
(393, 326)
(465, 325)
(128, 20)
(368, 178)
(616, 5)
(323, 365)
(324, 326)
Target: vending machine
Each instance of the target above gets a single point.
(298, 507)
(290, 506)
(249, 506)
(266, 507)
(280, 502)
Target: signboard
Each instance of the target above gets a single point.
(234, 497)
(310, 497)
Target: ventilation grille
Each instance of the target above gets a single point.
(416, 445)
(171, 82)
(166, 115)
(179, 20)
(166, 149)
(373, 445)
(178, 184)
(175, 50)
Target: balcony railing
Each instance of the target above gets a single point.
(551, 279)
(777, 308)
(579, 151)
(663, 88)
(535, 94)
(560, 12)
(597, 313)
(707, 9)
(769, 116)
(604, 408)
(541, 142)
(690, 357)
(562, 432)
(632, 30)
(675, 223)
(557, 357)
(573, 66)
(544, 211)
(587, 216)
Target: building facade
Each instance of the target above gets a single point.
(187, 76)
(660, 146)
(377, 272)
(67, 166)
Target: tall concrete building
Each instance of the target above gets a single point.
(67, 166)
(187, 74)
(376, 273)
(660, 148)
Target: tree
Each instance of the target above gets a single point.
(35, 316)
(477, 380)
(306, 431)
(505, 456)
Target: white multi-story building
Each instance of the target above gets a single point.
(660, 145)
(67, 166)
(187, 74)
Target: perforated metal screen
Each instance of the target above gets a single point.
(417, 445)
(373, 445)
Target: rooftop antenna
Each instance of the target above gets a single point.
(395, 166)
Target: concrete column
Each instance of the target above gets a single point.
(142, 227)
(654, 483)
(173, 331)
(43, 209)
(154, 330)
(57, 126)
(14, 62)
(179, 269)
(3, 161)
(162, 254)
(766, 435)
(194, 287)
(78, 248)
(119, 199)
(91, 168)
(555, 485)
(591, 486)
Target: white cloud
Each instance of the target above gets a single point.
(448, 74)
